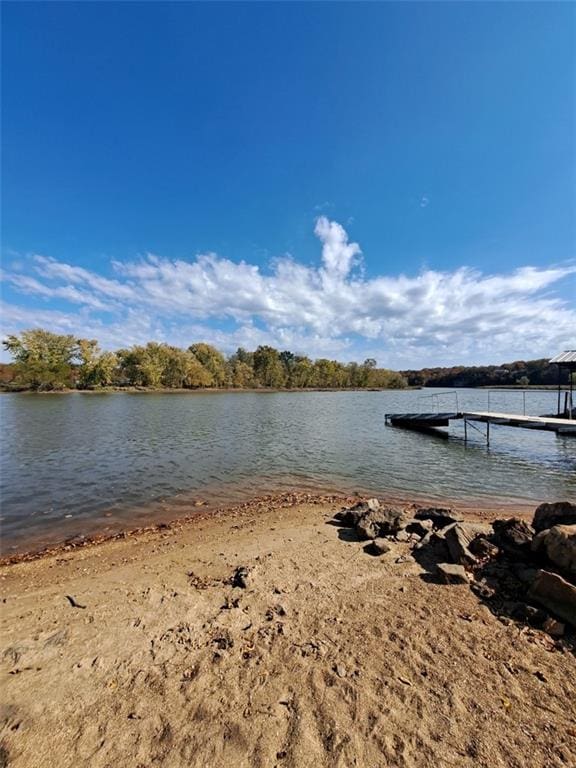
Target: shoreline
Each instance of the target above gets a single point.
(195, 390)
(265, 390)
(197, 515)
(480, 509)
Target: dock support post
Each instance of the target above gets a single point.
(465, 430)
(488, 434)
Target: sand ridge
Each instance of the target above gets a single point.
(328, 657)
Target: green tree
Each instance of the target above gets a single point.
(183, 369)
(302, 373)
(197, 376)
(213, 361)
(353, 375)
(364, 371)
(43, 360)
(143, 366)
(381, 378)
(152, 364)
(240, 375)
(240, 369)
(175, 367)
(328, 373)
(268, 368)
(129, 366)
(244, 357)
(105, 369)
(97, 368)
(288, 360)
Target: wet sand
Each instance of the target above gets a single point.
(140, 652)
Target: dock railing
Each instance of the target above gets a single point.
(502, 400)
(436, 402)
(523, 393)
(528, 402)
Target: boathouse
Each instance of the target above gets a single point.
(566, 361)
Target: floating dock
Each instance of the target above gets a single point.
(424, 421)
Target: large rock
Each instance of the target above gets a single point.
(513, 535)
(385, 521)
(523, 572)
(524, 612)
(441, 533)
(419, 527)
(367, 527)
(352, 516)
(459, 536)
(439, 516)
(537, 544)
(426, 540)
(482, 547)
(378, 548)
(453, 573)
(559, 543)
(556, 513)
(556, 595)
(553, 627)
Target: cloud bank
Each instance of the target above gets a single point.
(330, 309)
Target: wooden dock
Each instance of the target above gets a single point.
(421, 421)
(547, 423)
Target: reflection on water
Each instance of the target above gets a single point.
(74, 459)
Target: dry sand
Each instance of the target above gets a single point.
(330, 657)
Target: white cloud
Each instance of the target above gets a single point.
(337, 253)
(51, 268)
(329, 310)
(29, 285)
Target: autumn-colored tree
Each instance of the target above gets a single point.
(381, 378)
(43, 360)
(328, 373)
(143, 366)
(268, 367)
(212, 360)
(302, 373)
(161, 365)
(240, 375)
(97, 368)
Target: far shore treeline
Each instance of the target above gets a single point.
(521, 373)
(45, 361)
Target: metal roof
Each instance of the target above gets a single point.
(568, 356)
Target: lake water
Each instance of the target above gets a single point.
(78, 463)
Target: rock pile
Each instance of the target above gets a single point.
(525, 571)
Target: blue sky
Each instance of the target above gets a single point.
(395, 180)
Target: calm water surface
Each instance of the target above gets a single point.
(72, 464)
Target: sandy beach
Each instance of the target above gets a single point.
(141, 652)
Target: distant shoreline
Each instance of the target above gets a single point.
(198, 390)
(267, 390)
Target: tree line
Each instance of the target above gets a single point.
(45, 361)
(519, 373)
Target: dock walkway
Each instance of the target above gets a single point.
(443, 419)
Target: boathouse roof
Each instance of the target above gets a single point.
(568, 356)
